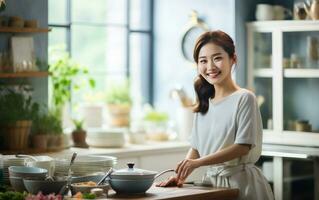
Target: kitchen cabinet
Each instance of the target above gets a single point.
(283, 71)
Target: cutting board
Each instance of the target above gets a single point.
(187, 192)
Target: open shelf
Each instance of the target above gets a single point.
(23, 30)
(288, 73)
(301, 73)
(263, 72)
(24, 74)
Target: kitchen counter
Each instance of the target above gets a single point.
(187, 192)
(129, 150)
(151, 148)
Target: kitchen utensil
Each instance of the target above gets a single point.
(264, 12)
(45, 186)
(67, 186)
(44, 162)
(133, 180)
(78, 187)
(104, 177)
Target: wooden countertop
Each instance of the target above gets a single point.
(187, 192)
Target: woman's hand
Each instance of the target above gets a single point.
(186, 167)
(172, 181)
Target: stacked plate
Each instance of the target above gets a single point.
(114, 137)
(84, 165)
(11, 160)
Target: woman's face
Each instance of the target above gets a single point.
(214, 64)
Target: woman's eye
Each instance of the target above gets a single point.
(217, 58)
(202, 61)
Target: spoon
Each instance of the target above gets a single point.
(67, 187)
(105, 176)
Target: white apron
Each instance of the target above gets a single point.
(247, 178)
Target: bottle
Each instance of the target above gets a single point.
(312, 51)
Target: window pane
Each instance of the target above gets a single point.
(58, 12)
(101, 11)
(101, 49)
(58, 37)
(140, 9)
(140, 66)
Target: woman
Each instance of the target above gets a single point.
(227, 129)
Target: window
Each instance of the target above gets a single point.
(112, 38)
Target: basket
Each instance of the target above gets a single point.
(16, 135)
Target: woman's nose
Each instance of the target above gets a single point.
(211, 65)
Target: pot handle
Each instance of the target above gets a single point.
(163, 172)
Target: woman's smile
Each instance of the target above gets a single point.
(213, 74)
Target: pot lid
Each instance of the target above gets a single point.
(131, 172)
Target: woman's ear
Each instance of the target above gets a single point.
(235, 59)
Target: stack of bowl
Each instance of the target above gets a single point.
(11, 160)
(18, 173)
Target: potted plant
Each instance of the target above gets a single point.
(63, 72)
(156, 125)
(55, 139)
(118, 102)
(79, 134)
(17, 113)
(46, 131)
(41, 129)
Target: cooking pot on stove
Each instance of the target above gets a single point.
(133, 180)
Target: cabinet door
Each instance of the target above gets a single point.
(301, 80)
(260, 73)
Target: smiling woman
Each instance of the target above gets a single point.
(227, 129)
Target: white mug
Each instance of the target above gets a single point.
(264, 12)
(48, 164)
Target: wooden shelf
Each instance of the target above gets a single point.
(24, 74)
(24, 30)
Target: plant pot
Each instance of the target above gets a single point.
(16, 135)
(40, 141)
(78, 138)
(59, 141)
(119, 115)
(52, 141)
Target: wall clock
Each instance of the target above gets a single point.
(194, 29)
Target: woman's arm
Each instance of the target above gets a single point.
(173, 180)
(192, 154)
(185, 167)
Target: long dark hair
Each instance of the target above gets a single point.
(203, 89)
